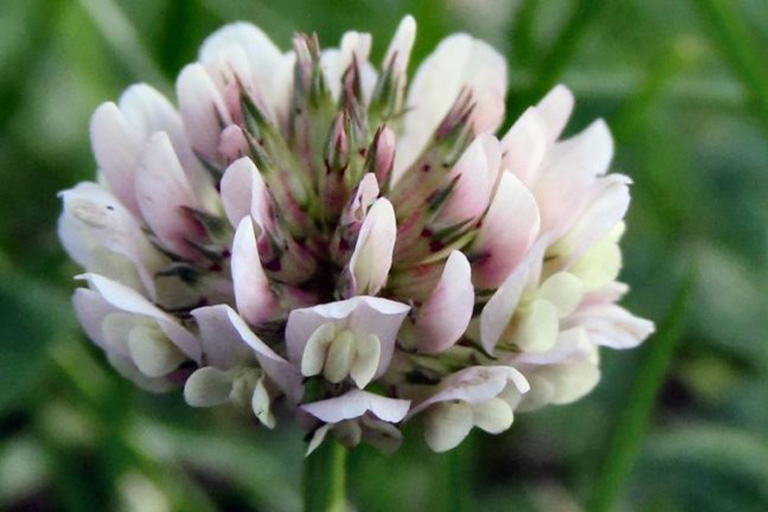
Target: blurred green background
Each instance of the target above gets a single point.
(684, 86)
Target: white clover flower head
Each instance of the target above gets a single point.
(308, 233)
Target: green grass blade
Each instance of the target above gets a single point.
(633, 420)
(731, 33)
(117, 30)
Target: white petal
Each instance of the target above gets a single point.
(129, 300)
(373, 315)
(459, 61)
(280, 371)
(570, 169)
(613, 326)
(525, 145)
(372, 258)
(90, 310)
(607, 204)
(556, 108)
(222, 345)
(401, 45)
(93, 218)
(473, 385)
(354, 404)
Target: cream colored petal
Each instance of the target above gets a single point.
(366, 359)
(564, 290)
(538, 327)
(260, 405)
(207, 387)
(152, 352)
(316, 350)
(447, 424)
(493, 416)
(341, 354)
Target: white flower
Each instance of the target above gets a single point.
(309, 232)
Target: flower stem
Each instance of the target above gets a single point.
(325, 478)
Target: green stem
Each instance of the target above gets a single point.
(325, 478)
(634, 418)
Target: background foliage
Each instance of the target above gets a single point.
(684, 86)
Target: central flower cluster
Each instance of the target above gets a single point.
(308, 234)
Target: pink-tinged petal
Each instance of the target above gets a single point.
(608, 202)
(385, 154)
(233, 144)
(130, 301)
(203, 110)
(399, 50)
(243, 193)
(163, 192)
(568, 172)
(284, 374)
(93, 218)
(372, 258)
(525, 145)
(474, 385)
(222, 345)
(556, 108)
(261, 55)
(366, 194)
(116, 146)
(372, 315)
(255, 300)
(612, 326)
(356, 403)
(506, 234)
(151, 112)
(442, 320)
(354, 47)
(476, 174)
(612, 292)
(459, 62)
(500, 309)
